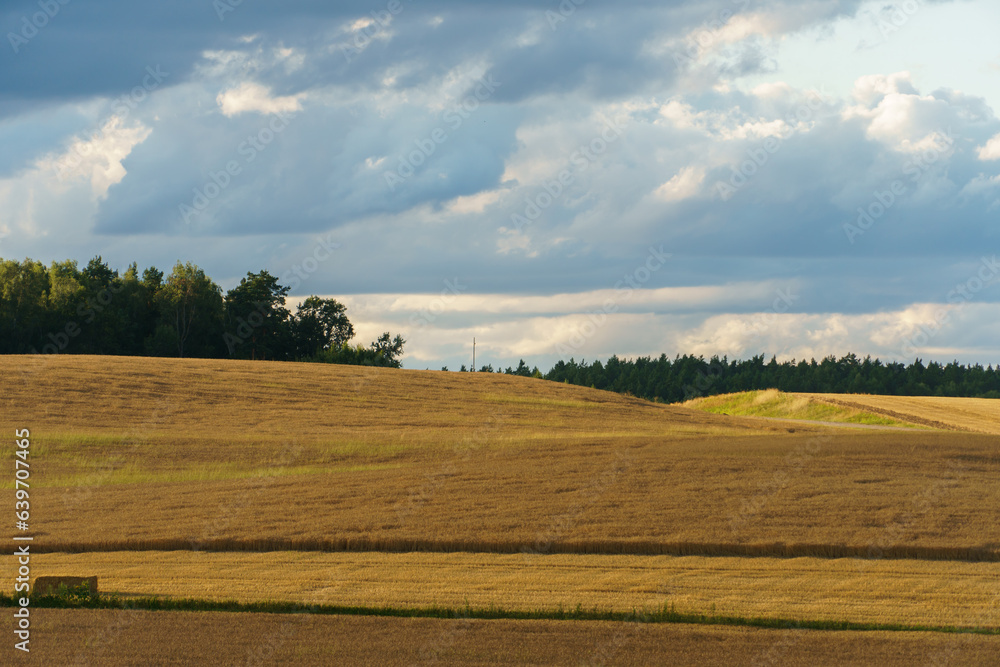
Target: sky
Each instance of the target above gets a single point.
(554, 179)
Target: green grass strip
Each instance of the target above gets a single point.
(779, 405)
(662, 615)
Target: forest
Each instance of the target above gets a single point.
(94, 310)
(687, 377)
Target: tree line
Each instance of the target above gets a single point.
(687, 377)
(94, 310)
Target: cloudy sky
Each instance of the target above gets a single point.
(798, 178)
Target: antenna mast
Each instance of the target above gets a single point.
(473, 354)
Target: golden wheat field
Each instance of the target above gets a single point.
(976, 415)
(325, 455)
(905, 592)
(360, 486)
(970, 415)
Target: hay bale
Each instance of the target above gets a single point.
(50, 585)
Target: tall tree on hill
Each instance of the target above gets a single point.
(24, 290)
(139, 322)
(321, 324)
(102, 312)
(388, 350)
(258, 326)
(190, 305)
(65, 296)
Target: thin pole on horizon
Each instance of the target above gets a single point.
(473, 354)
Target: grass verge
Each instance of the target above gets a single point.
(665, 614)
(779, 405)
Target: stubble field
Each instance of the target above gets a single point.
(219, 638)
(516, 492)
(903, 592)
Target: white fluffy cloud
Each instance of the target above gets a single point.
(57, 194)
(991, 150)
(98, 158)
(686, 183)
(251, 96)
(438, 336)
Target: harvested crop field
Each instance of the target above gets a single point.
(301, 453)
(929, 491)
(69, 636)
(975, 415)
(969, 415)
(316, 484)
(904, 592)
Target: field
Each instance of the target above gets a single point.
(379, 487)
(143, 638)
(773, 404)
(975, 415)
(906, 592)
(969, 415)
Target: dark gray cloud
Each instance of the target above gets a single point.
(101, 48)
(385, 144)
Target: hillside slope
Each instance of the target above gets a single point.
(189, 454)
(306, 402)
(774, 404)
(976, 415)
